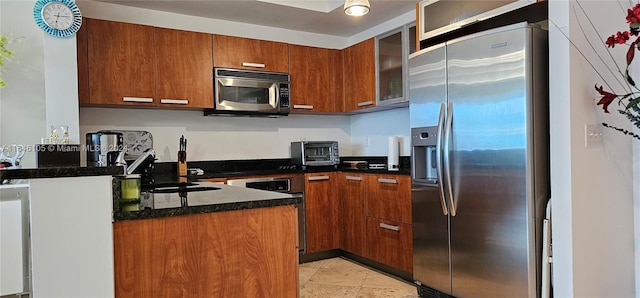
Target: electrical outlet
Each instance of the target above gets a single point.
(592, 135)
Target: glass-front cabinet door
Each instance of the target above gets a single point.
(393, 49)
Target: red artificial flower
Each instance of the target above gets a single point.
(607, 98)
(618, 38)
(633, 14)
(611, 41)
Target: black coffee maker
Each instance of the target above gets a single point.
(103, 148)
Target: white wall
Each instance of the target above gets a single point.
(41, 81)
(220, 138)
(23, 113)
(591, 187)
(370, 132)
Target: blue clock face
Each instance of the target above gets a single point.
(59, 18)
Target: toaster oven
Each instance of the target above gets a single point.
(315, 153)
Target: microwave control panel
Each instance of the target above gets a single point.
(284, 95)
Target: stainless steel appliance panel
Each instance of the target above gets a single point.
(488, 147)
(430, 238)
(427, 73)
(427, 85)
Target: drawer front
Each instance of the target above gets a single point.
(390, 243)
(389, 197)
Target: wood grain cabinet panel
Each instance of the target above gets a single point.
(359, 75)
(312, 79)
(121, 63)
(389, 197)
(233, 52)
(321, 212)
(352, 194)
(244, 253)
(183, 68)
(390, 243)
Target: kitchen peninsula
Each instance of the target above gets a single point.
(228, 242)
(223, 242)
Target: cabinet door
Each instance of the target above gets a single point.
(121, 63)
(184, 68)
(359, 75)
(311, 75)
(391, 67)
(322, 212)
(251, 54)
(389, 197)
(338, 80)
(390, 243)
(352, 212)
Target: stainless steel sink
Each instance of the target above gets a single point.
(183, 189)
(168, 185)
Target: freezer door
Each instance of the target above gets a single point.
(427, 93)
(427, 78)
(490, 236)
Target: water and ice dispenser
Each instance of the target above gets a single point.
(424, 154)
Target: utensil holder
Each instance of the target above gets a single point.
(182, 163)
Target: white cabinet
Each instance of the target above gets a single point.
(14, 239)
(71, 237)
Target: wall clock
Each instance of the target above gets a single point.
(60, 18)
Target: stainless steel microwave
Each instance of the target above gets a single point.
(250, 92)
(315, 153)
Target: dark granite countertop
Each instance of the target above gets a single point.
(55, 172)
(218, 198)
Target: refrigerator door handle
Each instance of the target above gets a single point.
(446, 158)
(439, 175)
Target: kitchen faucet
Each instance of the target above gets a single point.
(148, 153)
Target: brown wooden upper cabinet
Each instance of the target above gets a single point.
(313, 75)
(250, 54)
(359, 76)
(130, 64)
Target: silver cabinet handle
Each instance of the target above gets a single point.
(365, 103)
(137, 99)
(384, 180)
(316, 178)
(251, 64)
(354, 178)
(303, 107)
(389, 227)
(175, 101)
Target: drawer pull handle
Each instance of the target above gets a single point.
(251, 64)
(365, 103)
(383, 180)
(389, 227)
(316, 178)
(137, 99)
(354, 178)
(175, 101)
(303, 107)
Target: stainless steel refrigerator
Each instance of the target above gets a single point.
(480, 163)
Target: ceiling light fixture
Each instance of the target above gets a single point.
(356, 8)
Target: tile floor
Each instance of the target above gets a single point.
(338, 277)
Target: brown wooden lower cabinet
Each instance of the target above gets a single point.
(390, 243)
(244, 253)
